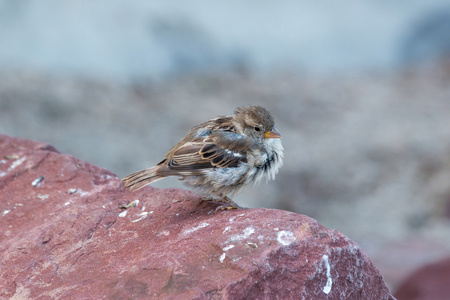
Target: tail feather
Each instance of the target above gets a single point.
(140, 179)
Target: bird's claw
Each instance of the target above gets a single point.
(226, 207)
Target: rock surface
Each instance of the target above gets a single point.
(62, 236)
(428, 283)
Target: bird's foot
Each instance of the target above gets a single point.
(225, 203)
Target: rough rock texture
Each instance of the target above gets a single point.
(428, 283)
(62, 236)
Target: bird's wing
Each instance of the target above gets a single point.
(220, 149)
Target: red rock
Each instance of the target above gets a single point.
(428, 283)
(64, 237)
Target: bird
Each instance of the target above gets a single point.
(220, 157)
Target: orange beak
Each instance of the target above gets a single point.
(273, 134)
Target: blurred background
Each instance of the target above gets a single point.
(360, 91)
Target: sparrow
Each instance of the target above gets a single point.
(221, 156)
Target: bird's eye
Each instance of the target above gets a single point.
(257, 128)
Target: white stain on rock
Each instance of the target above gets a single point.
(123, 214)
(82, 193)
(228, 247)
(285, 237)
(202, 225)
(143, 216)
(226, 229)
(163, 233)
(327, 288)
(222, 258)
(15, 164)
(245, 234)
